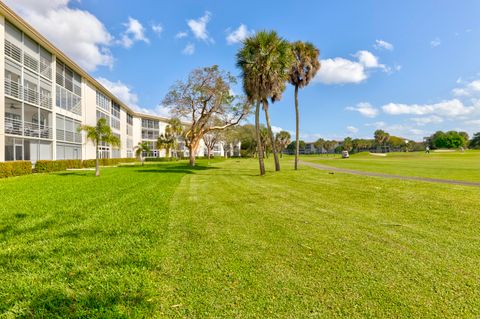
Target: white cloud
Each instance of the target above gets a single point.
(238, 35)
(421, 121)
(472, 88)
(369, 60)
(276, 129)
(450, 108)
(475, 123)
(364, 108)
(65, 27)
(122, 91)
(352, 129)
(134, 32)
(341, 71)
(157, 28)
(435, 42)
(181, 35)
(381, 44)
(199, 27)
(189, 49)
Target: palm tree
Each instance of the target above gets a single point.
(100, 133)
(140, 149)
(283, 139)
(167, 140)
(303, 70)
(175, 129)
(265, 60)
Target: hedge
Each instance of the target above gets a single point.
(45, 166)
(61, 165)
(161, 159)
(16, 168)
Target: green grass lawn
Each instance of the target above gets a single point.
(449, 165)
(219, 241)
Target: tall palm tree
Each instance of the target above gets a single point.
(100, 133)
(175, 129)
(140, 149)
(304, 67)
(265, 60)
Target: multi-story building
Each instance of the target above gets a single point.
(46, 97)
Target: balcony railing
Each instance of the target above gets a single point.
(14, 89)
(13, 51)
(19, 127)
(31, 96)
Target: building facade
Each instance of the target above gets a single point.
(46, 97)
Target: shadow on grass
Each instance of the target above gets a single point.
(55, 303)
(76, 173)
(179, 169)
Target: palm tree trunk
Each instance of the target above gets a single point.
(297, 128)
(259, 142)
(272, 138)
(97, 164)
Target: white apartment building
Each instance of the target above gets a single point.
(46, 97)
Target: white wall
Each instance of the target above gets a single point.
(2, 89)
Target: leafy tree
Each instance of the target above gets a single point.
(450, 139)
(210, 140)
(247, 137)
(141, 148)
(100, 133)
(264, 59)
(347, 144)
(203, 97)
(381, 137)
(329, 145)
(304, 67)
(293, 146)
(319, 144)
(475, 141)
(282, 139)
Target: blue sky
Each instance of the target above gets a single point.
(409, 67)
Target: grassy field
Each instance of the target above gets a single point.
(219, 241)
(446, 165)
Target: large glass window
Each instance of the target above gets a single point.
(103, 101)
(68, 93)
(68, 129)
(17, 149)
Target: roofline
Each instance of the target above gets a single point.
(20, 23)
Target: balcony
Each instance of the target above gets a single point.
(15, 90)
(22, 128)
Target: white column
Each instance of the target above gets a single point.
(2, 89)
(54, 107)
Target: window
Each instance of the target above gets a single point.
(68, 151)
(115, 110)
(68, 95)
(103, 101)
(68, 129)
(129, 119)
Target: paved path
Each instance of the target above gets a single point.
(407, 178)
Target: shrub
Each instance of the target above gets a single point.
(45, 166)
(16, 168)
(161, 159)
